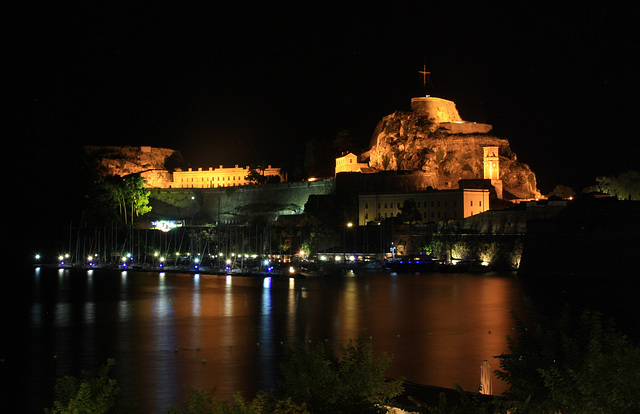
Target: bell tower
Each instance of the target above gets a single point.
(491, 163)
(492, 168)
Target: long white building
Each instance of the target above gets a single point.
(433, 205)
(216, 177)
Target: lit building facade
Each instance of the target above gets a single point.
(217, 177)
(349, 163)
(434, 206)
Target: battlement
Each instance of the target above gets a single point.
(445, 113)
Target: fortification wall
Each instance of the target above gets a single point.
(437, 109)
(234, 204)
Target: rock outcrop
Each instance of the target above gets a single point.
(445, 149)
(154, 164)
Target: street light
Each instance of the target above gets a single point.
(344, 241)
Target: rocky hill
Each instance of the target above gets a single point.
(417, 141)
(153, 163)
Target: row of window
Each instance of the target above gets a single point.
(190, 179)
(433, 215)
(424, 204)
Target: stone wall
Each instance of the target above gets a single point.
(234, 205)
(436, 109)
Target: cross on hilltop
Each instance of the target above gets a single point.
(425, 78)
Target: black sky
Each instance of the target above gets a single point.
(248, 81)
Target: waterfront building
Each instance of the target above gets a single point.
(433, 206)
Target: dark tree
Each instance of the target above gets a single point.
(409, 212)
(571, 364)
(626, 186)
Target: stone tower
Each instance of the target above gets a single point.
(444, 115)
(492, 168)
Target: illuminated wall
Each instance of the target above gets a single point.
(434, 206)
(438, 109)
(216, 177)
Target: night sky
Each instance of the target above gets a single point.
(247, 82)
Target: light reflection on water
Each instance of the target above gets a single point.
(169, 330)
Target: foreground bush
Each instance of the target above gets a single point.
(355, 382)
(571, 364)
(313, 381)
(203, 402)
(86, 395)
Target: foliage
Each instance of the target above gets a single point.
(344, 142)
(117, 198)
(409, 212)
(572, 364)
(354, 383)
(86, 395)
(562, 191)
(465, 403)
(256, 175)
(205, 402)
(626, 186)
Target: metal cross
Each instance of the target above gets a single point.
(424, 74)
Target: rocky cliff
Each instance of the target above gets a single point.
(416, 141)
(154, 164)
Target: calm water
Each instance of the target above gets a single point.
(166, 331)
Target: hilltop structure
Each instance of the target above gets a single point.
(434, 140)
